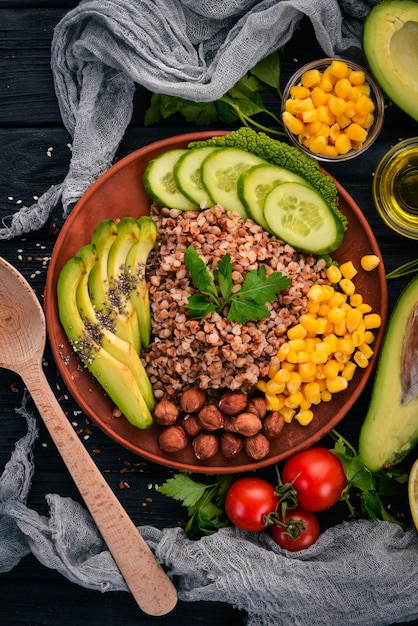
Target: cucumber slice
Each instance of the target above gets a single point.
(298, 215)
(188, 178)
(255, 183)
(160, 184)
(220, 172)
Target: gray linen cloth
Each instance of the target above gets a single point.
(197, 50)
(360, 573)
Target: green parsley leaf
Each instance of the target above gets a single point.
(244, 309)
(204, 501)
(223, 275)
(200, 274)
(370, 487)
(198, 306)
(247, 303)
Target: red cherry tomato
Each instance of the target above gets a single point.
(248, 501)
(317, 476)
(300, 532)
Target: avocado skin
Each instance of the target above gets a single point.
(390, 45)
(114, 376)
(390, 429)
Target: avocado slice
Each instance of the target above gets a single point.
(117, 347)
(390, 45)
(107, 285)
(135, 264)
(390, 429)
(114, 376)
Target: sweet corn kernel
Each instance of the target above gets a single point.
(318, 96)
(282, 376)
(348, 270)
(311, 78)
(308, 322)
(359, 337)
(273, 402)
(357, 77)
(331, 369)
(343, 144)
(364, 308)
(369, 262)
(283, 351)
(312, 392)
(360, 359)
(356, 133)
(353, 319)
(338, 68)
(349, 370)
(304, 417)
(272, 387)
(326, 396)
(336, 315)
(307, 371)
(347, 286)
(356, 299)
(337, 384)
(333, 273)
(299, 92)
(294, 382)
(296, 333)
(295, 125)
(366, 350)
(368, 336)
(287, 414)
(372, 320)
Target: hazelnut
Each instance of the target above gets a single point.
(173, 439)
(191, 425)
(231, 445)
(258, 407)
(257, 447)
(229, 424)
(233, 402)
(192, 400)
(205, 446)
(165, 413)
(273, 425)
(247, 424)
(210, 417)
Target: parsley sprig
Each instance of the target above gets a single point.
(203, 501)
(244, 304)
(371, 488)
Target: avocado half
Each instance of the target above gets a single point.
(390, 429)
(390, 45)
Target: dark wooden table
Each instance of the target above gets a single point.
(35, 153)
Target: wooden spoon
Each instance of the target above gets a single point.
(22, 344)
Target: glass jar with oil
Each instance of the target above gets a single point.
(395, 188)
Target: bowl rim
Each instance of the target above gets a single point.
(59, 344)
(377, 97)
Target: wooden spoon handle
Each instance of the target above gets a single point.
(146, 579)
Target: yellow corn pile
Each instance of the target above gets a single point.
(322, 352)
(330, 111)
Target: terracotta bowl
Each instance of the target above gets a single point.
(120, 192)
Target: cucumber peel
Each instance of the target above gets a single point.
(298, 215)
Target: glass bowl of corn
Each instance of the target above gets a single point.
(332, 109)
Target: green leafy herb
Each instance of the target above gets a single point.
(204, 501)
(404, 270)
(241, 103)
(370, 487)
(246, 303)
